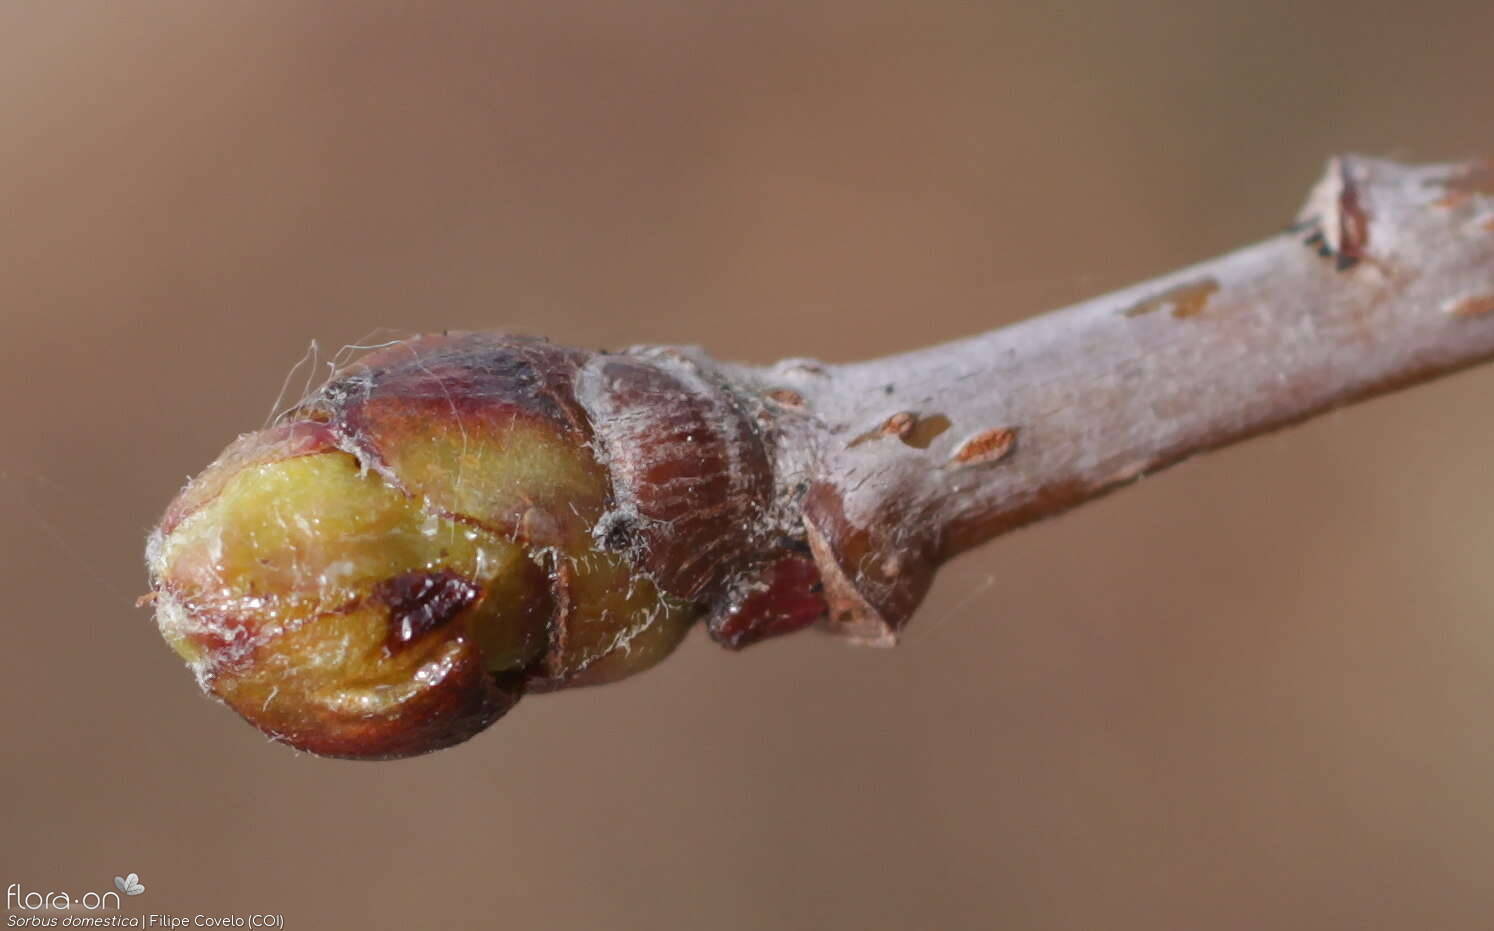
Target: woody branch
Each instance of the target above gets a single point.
(1385, 280)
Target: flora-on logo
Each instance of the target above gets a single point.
(129, 885)
(27, 900)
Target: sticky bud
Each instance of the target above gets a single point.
(445, 526)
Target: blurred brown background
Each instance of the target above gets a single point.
(1253, 692)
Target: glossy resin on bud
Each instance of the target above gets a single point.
(457, 520)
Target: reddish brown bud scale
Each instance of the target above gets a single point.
(430, 411)
(691, 484)
(781, 598)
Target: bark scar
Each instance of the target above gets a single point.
(1186, 300)
(913, 429)
(986, 446)
(1477, 306)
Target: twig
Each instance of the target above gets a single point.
(579, 510)
(1386, 280)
